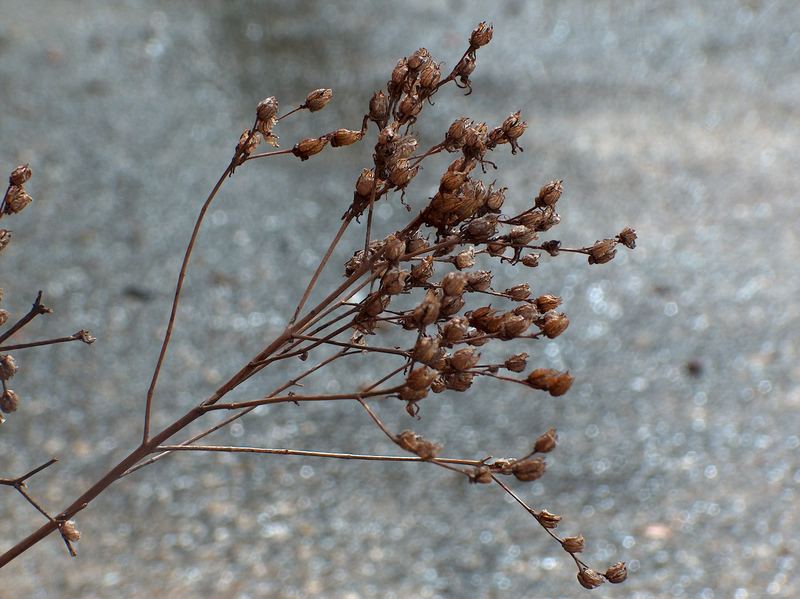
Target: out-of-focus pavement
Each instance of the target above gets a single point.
(679, 441)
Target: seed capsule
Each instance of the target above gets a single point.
(317, 99)
(573, 544)
(549, 194)
(590, 579)
(379, 107)
(345, 137)
(69, 531)
(20, 175)
(617, 573)
(481, 35)
(8, 367)
(9, 401)
(627, 237)
(546, 441)
(529, 470)
(308, 147)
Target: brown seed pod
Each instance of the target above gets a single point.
(9, 401)
(345, 137)
(416, 244)
(602, 251)
(590, 579)
(393, 248)
(516, 363)
(454, 283)
(429, 77)
(627, 237)
(561, 384)
(547, 519)
(418, 59)
(542, 378)
(481, 475)
(3, 317)
(306, 148)
(616, 573)
(374, 304)
(17, 199)
(458, 381)
(20, 175)
(414, 443)
(481, 229)
(549, 194)
(454, 138)
(554, 323)
(512, 325)
(393, 282)
(365, 182)
(423, 271)
(426, 349)
(451, 304)
(421, 378)
(546, 441)
(8, 367)
(573, 544)
(530, 260)
(479, 280)
(464, 359)
(428, 310)
(455, 329)
(529, 470)
(519, 292)
(267, 108)
(69, 531)
(379, 107)
(527, 310)
(465, 258)
(317, 99)
(399, 72)
(5, 238)
(481, 35)
(545, 303)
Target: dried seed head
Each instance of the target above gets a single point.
(5, 238)
(267, 109)
(410, 395)
(399, 72)
(416, 244)
(451, 304)
(481, 229)
(627, 237)
(451, 181)
(421, 378)
(590, 579)
(517, 362)
(616, 573)
(529, 470)
(545, 303)
(402, 172)
(573, 544)
(549, 194)
(429, 77)
(481, 35)
(86, 336)
(247, 144)
(454, 138)
(530, 260)
(3, 317)
(512, 325)
(520, 235)
(455, 329)
(547, 519)
(465, 258)
(481, 474)
(414, 443)
(527, 310)
(426, 349)
(519, 292)
(410, 105)
(454, 283)
(554, 324)
(496, 248)
(464, 69)
(458, 381)
(495, 198)
(428, 310)
(561, 384)
(69, 531)
(365, 182)
(479, 280)
(9, 401)
(602, 251)
(374, 304)
(345, 137)
(393, 248)
(317, 99)
(513, 127)
(393, 282)
(16, 199)
(379, 107)
(20, 175)
(552, 247)
(418, 59)
(546, 441)
(464, 359)
(541, 378)
(423, 271)
(306, 148)
(8, 367)
(438, 385)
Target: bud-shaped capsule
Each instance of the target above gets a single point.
(9, 401)
(69, 531)
(20, 175)
(517, 362)
(464, 359)
(627, 237)
(306, 148)
(379, 107)
(547, 519)
(602, 251)
(589, 579)
(16, 199)
(546, 441)
(453, 283)
(573, 544)
(465, 258)
(553, 324)
(529, 470)
(344, 137)
(616, 573)
(317, 99)
(8, 367)
(481, 35)
(549, 194)
(267, 109)
(519, 292)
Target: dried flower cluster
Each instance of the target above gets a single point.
(431, 282)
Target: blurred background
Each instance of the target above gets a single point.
(679, 440)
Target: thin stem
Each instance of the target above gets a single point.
(42, 342)
(298, 398)
(345, 223)
(313, 454)
(37, 308)
(269, 154)
(372, 348)
(21, 479)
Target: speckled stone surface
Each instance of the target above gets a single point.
(679, 440)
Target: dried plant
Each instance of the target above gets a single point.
(429, 283)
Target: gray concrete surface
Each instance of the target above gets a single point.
(679, 119)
